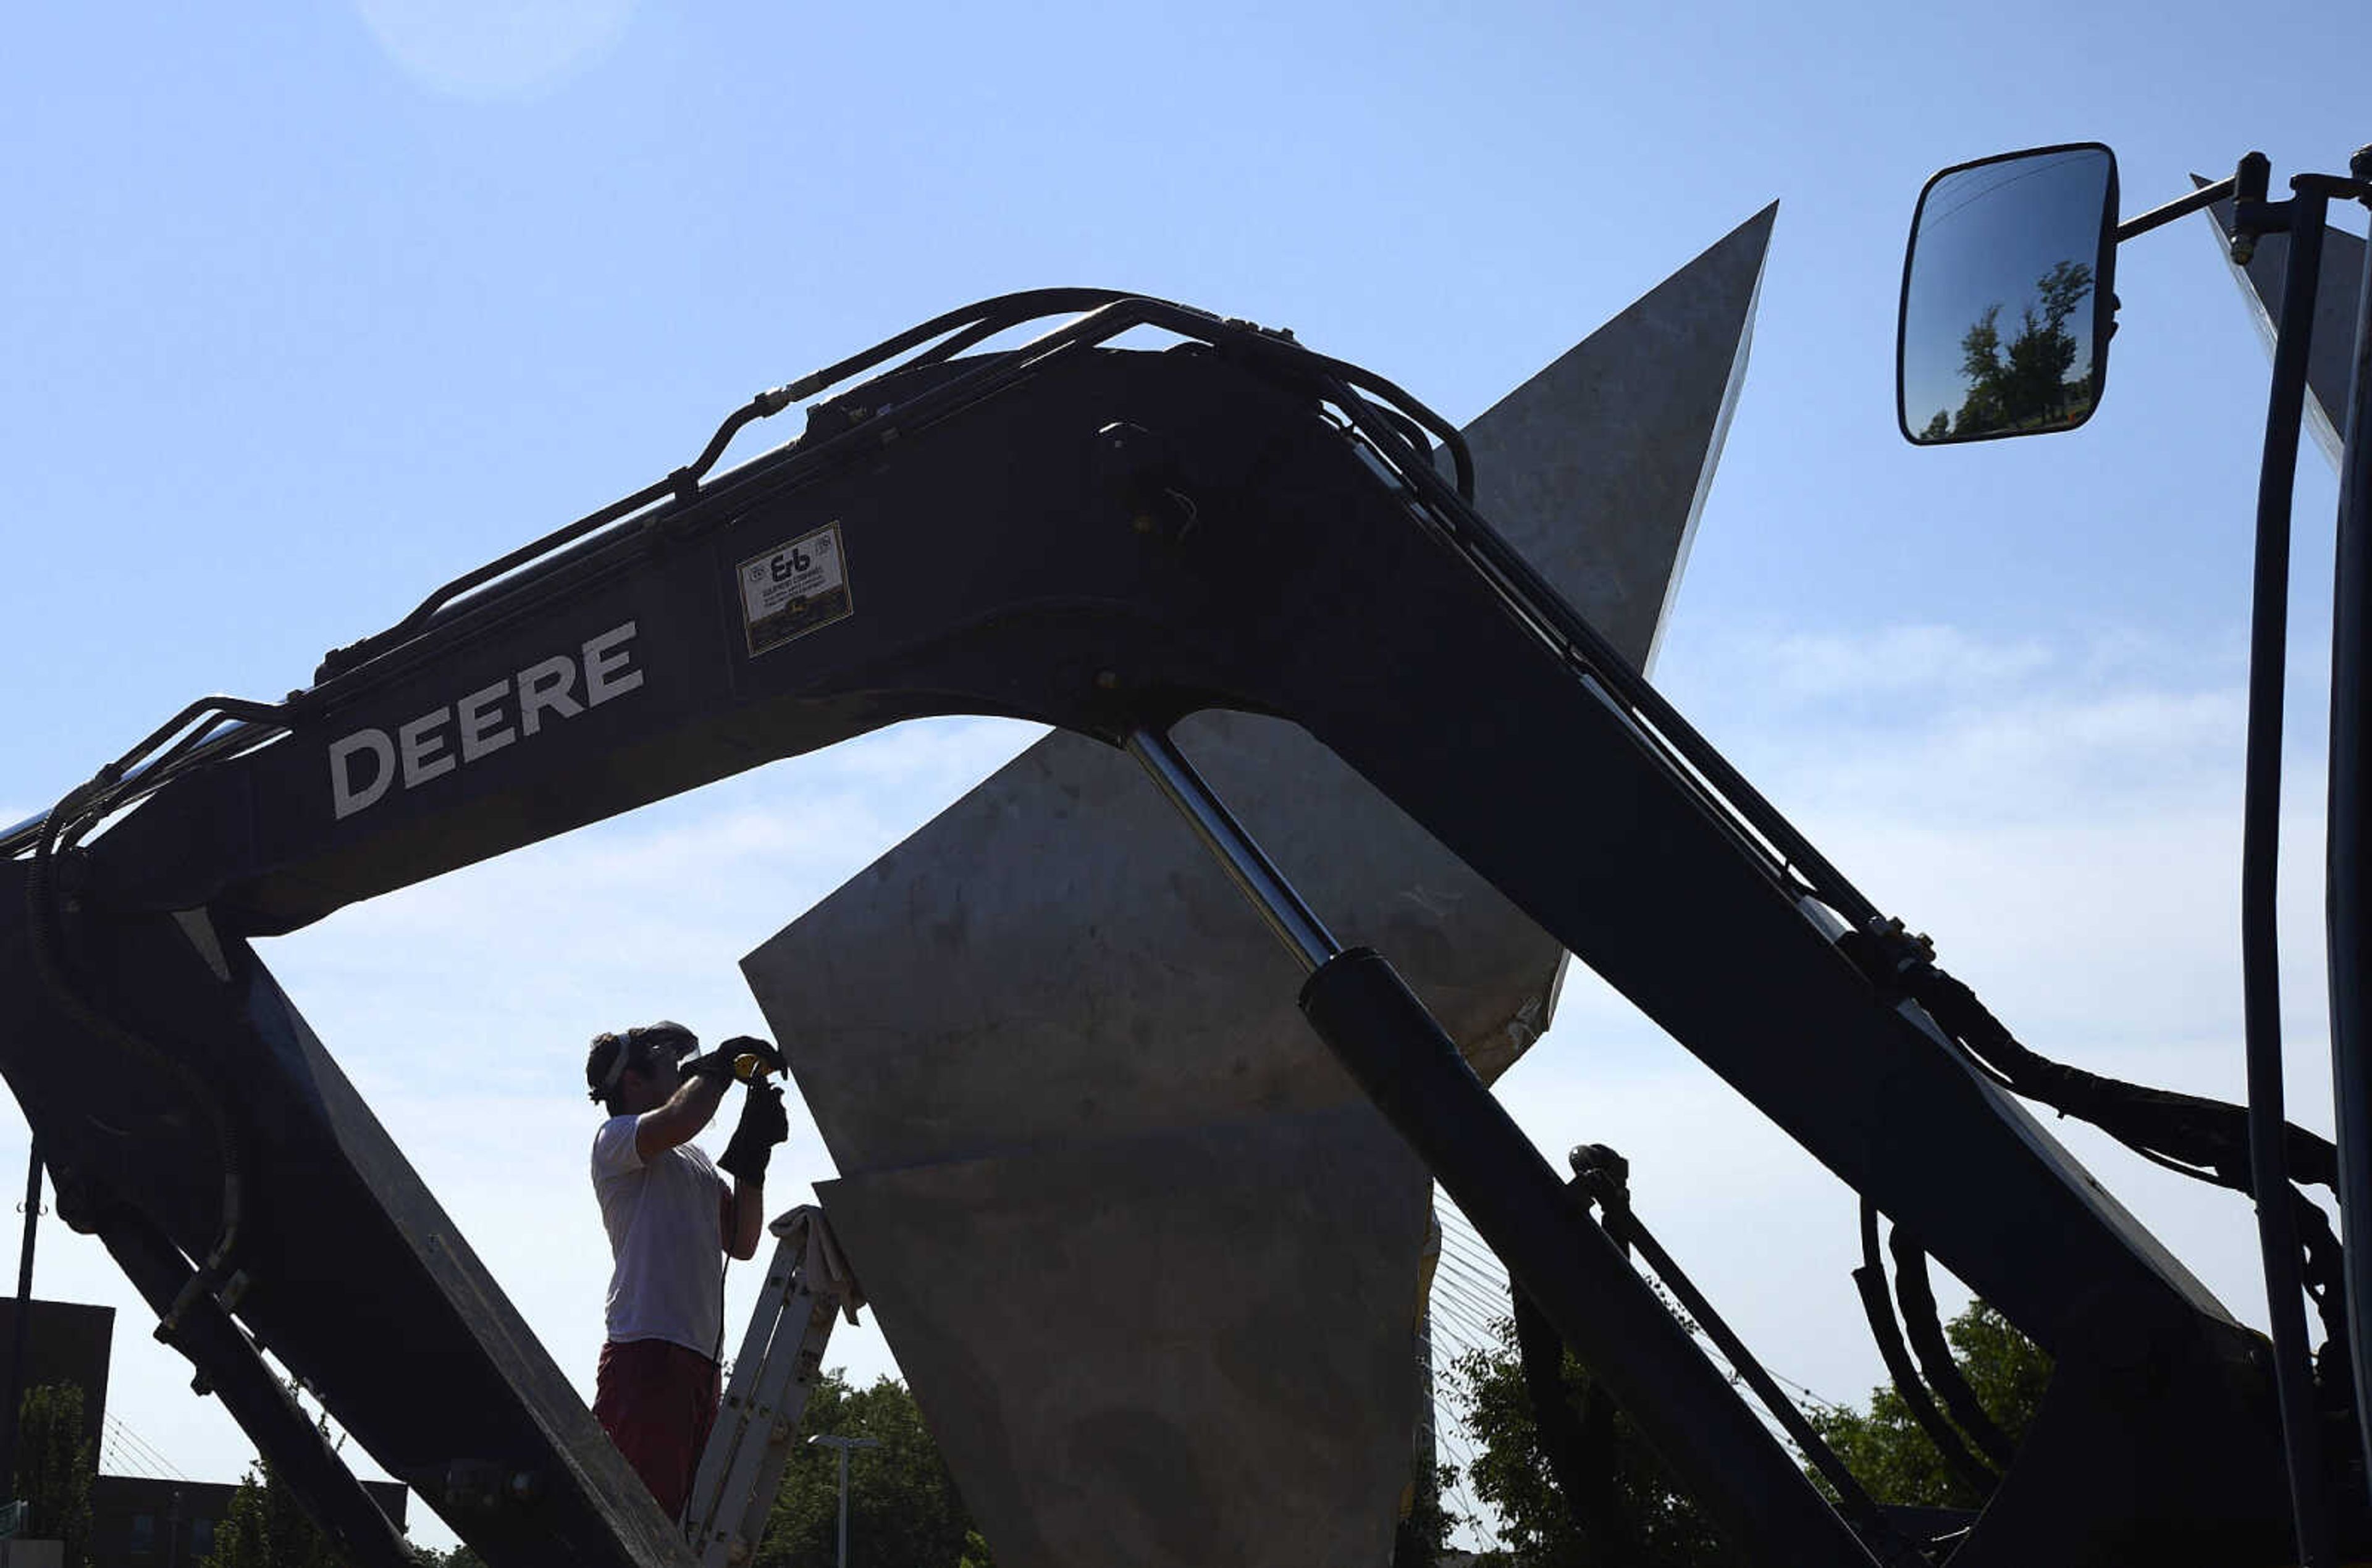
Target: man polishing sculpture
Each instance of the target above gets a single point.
(672, 1222)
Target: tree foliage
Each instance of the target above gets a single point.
(1421, 1538)
(1895, 1459)
(903, 1510)
(1510, 1473)
(2023, 384)
(54, 1468)
(1884, 1447)
(267, 1527)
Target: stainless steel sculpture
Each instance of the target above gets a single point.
(1148, 1263)
(2329, 366)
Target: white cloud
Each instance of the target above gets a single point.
(1808, 666)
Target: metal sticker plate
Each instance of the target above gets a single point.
(793, 589)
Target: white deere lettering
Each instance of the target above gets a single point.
(344, 794)
(365, 764)
(606, 671)
(543, 688)
(425, 756)
(481, 726)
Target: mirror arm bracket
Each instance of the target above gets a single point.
(2251, 218)
(2183, 206)
(2334, 186)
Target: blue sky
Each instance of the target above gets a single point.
(310, 311)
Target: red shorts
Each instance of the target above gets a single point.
(656, 1401)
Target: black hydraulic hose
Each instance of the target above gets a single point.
(45, 941)
(1597, 1173)
(1870, 1281)
(231, 723)
(2348, 866)
(1924, 1328)
(214, 742)
(213, 709)
(1461, 459)
(998, 315)
(339, 660)
(2191, 1129)
(2260, 851)
(1011, 308)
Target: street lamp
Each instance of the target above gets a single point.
(844, 1444)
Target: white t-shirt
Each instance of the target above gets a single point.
(667, 1281)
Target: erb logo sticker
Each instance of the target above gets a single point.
(793, 589)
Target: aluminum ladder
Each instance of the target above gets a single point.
(741, 1470)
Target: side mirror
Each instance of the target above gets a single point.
(2008, 297)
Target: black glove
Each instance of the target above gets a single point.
(716, 1063)
(750, 1045)
(763, 1125)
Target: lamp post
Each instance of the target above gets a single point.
(844, 1444)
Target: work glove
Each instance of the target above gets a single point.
(770, 1059)
(763, 1125)
(716, 1063)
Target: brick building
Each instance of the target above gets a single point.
(136, 1521)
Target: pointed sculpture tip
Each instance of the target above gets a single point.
(1764, 219)
(1756, 228)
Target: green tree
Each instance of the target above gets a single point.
(1510, 1473)
(1423, 1538)
(2023, 384)
(54, 1468)
(267, 1527)
(902, 1507)
(1981, 363)
(1892, 1455)
(1885, 1447)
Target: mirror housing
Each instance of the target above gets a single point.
(2031, 235)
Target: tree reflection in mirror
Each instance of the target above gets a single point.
(2006, 296)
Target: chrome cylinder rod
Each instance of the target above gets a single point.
(1255, 876)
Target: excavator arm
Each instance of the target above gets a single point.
(1105, 539)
